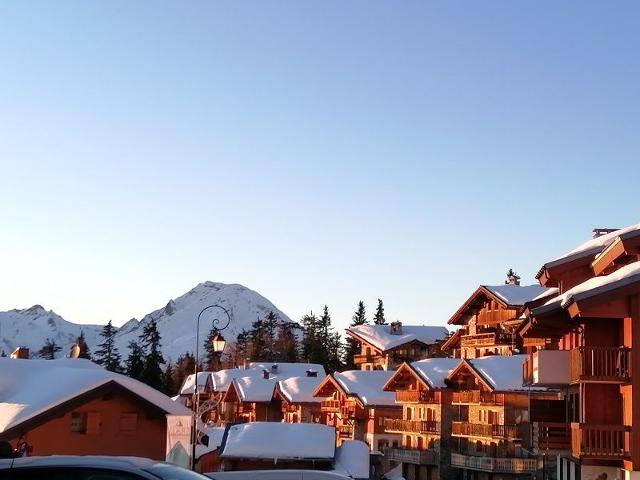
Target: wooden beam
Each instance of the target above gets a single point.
(618, 308)
(608, 256)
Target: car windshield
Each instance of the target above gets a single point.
(171, 472)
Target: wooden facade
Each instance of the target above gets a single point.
(355, 420)
(594, 325)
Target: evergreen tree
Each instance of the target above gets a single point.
(152, 371)
(84, 348)
(107, 354)
(134, 364)
(168, 386)
(242, 348)
(310, 326)
(286, 342)
(49, 350)
(378, 318)
(212, 358)
(257, 339)
(270, 325)
(184, 366)
(353, 346)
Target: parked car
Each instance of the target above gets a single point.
(92, 468)
(293, 474)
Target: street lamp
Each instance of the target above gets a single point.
(218, 343)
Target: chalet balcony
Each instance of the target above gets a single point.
(602, 442)
(484, 339)
(330, 406)
(363, 358)
(477, 397)
(491, 464)
(601, 364)
(551, 436)
(394, 425)
(547, 367)
(345, 431)
(417, 396)
(464, 429)
(413, 455)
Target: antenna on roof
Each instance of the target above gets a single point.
(598, 232)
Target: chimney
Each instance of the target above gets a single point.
(598, 232)
(395, 328)
(312, 373)
(274, 368)
(20, 352)
(265, 374)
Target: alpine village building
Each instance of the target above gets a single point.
(593, 323)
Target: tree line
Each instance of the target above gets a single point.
(270, 339)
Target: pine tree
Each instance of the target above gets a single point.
(378, 318)
(257, 339)
(107, 354)
(134, 364)
(286, 342)
(310, 338)
(152, 371)
(242, 348)
(184, 366)
(270, 325)
(168, 386)
(84, 348)
(353, 346)
(49, 350)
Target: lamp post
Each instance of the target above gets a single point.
(218, 343)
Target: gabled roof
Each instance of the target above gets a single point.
(501, 373)
(29, 388)
(279, 441)
(367, 386)
(204, 380)
(380, 336)
(509, 296)
(431, 372)
(299, 389)
(223, 378)
(589, 249)
(254, 389)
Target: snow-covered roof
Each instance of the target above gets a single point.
(223, 378)
(380, 336)
(516, 295)
(594, 245)
(502, 372)
(187, 385)
(254, 389)
(548, 294)
(31, 387)
(352, 459)
(300, 389)
(435, 370)
(215, 435)
(275, 440)
(367, 385)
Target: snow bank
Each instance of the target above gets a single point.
(286, 441)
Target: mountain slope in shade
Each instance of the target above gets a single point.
(176, 321)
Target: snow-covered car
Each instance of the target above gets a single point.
(92, 468)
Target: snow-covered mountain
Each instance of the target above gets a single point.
(176, 321)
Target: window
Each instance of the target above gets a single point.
(381, 421)
(79, 422)
(128, 422)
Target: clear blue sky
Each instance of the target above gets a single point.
(317, 152)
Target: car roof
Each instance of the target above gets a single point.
(80, 461)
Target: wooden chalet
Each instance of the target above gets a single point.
(356, 405)
(297, 400)
(594, 322)
(385, 347)
(489, 318)
(420, 389)
(472, 418)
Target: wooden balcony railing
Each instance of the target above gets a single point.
(330, 406)
(413, 426)
(491, 464)
(464, 429)
(345, 430)
(412, 455)
(417, 396)
(363, 358)
(600, 441)
(477, 397)
(551, 436)
(484, 339)
(601, 364)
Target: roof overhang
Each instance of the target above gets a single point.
(465, 365)
(404, 369)
(606, 301)
(621, 251)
